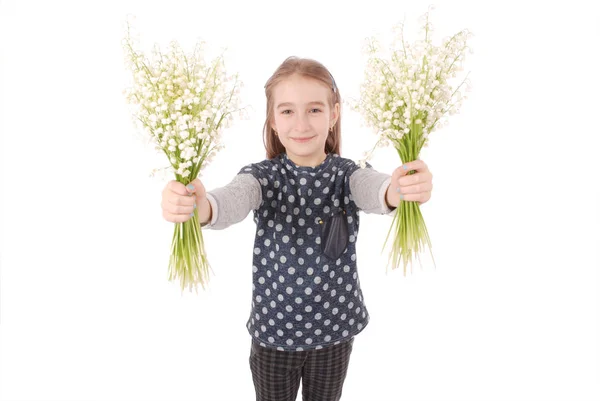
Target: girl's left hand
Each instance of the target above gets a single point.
(410, 187)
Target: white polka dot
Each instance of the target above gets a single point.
(308, 309)
(326, 209)
(280, 332)
(261, 280)
(318, 240)
(308, 341)
(303, 181)
(288, 219)
(298, 317)
(336, 327)
(263, 328)
(325, 190)
(296, 211)
(299, 280)
(256, 251)
(317, 280)
(360, 326)
(335, 311)
(317, 201)
(289, 341)
(352, 238)
(280, 297)
(291, 198)
(285, 239)
(258, 298)
(265, 213)
(302, 201)
(265, 310)
(342, 299)
(339, 280)
(353, 257)
(282, 259)
(318, 298)
(308, 291)
(318, 259)
(309, 271)
(357, 310)
(343, 317)
(332, 273)
(292, 181)
(271, 340)
(276, 184)
(309, 231)
(326, 305)
(291, 270)
(351, 322)
(345, 333)
(255, 333)
(278, 227)
(298, 334)
(351, 305)
(293, 250)
(289, 290)
(300, 261)
(349, 287)
(309, 192)
(346, 268)
(273, 304)
(318, 332)
(298, 300)
(301, 222)
(317, 183)
(325, 268)
(254, 269)
(281, 279)
(326, 286)
(318, 316)
(288, 308)
(327, 338)
(279, 315)
(263, 261)
(283, 208)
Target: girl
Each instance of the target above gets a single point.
(307, 304)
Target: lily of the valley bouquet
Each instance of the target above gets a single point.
(404, 97)
(183, 103)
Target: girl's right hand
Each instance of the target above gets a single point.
(178, 201)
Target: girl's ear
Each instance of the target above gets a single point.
(335, 114)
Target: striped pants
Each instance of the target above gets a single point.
(277, 374)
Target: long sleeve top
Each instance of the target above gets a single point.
(306, 290)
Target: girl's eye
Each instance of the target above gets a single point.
(285, 111)
(318, 110)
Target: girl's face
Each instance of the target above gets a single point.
(302, 118)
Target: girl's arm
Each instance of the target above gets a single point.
(232, 203)
(369, 187)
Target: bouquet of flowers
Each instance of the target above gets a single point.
(183, 103)
(404, 97)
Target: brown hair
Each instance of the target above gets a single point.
(307, 68)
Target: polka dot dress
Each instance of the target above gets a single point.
(303, 299)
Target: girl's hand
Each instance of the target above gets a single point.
(178, 201)
(410, 187)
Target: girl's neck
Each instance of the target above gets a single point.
(308, 161)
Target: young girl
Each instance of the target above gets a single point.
(307, 304)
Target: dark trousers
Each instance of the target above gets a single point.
(277, 374)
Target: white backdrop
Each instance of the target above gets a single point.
(511, 312)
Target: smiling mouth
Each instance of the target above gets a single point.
(302, 139)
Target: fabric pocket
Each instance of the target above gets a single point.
(334, 235)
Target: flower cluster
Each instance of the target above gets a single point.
(183, 102)
(409, 89)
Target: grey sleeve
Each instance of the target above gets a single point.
(368, 188)
(232, 203)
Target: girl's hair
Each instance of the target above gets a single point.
(307, 68)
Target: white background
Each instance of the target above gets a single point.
(510, 312)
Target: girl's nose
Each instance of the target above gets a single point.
(302, 123)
